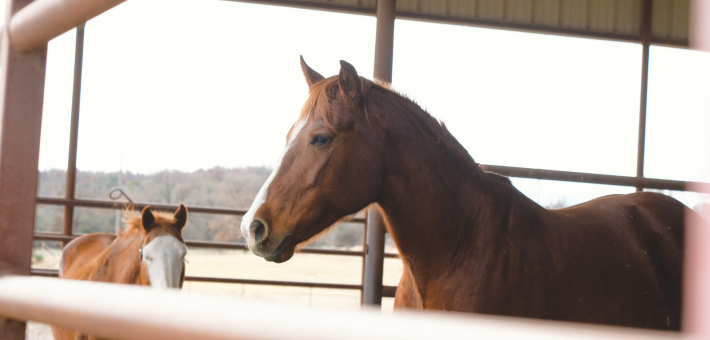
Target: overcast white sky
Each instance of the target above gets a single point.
(190, 84)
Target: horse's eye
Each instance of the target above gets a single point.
(320, 140)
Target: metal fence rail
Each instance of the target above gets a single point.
(387, 291)
(30, 24)
(583, 177)
(89, 203)
(54, 272)
(42, 20)
(216, 245)
(131, 312)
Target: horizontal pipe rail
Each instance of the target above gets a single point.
(582, 177)
(132, 312)
(216, 245)
(387, 291)
(87, 203)
(43, 20)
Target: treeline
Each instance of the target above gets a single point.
(216, 187)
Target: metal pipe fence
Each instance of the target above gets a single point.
(30, 25)
(25, 37)
(385, 291)
(114, 311)
(590, 178)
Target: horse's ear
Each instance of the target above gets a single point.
(349, 83)
(180, 217)
(147, 219)
(312, 76)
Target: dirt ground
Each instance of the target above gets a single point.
(243, 264)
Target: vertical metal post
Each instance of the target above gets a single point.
(384, 40)
(21, 99)
(74, 134)
(646, 16)
(696, 266)
(364, 250)
(375, 256)
(374, 259)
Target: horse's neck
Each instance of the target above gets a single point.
(436, 200)
(122, 262)
(434, 215)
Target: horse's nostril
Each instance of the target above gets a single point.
(259, 231)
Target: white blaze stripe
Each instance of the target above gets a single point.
(261, 196)
(164, 258)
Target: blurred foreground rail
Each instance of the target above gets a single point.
(131, 312)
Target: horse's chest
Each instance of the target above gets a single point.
(408, 295)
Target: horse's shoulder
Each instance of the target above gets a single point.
(81, 250)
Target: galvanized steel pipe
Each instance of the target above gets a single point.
(70, 186)
(44, 20)
(374, 257)
(131, 312)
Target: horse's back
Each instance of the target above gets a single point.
(647, 219)
(81, 251)
(627, 250)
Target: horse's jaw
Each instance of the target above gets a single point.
(164, 257)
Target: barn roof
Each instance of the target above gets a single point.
(603, 19)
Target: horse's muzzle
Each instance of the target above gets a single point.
(263, 244)
(278, 255)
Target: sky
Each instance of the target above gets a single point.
(191, 84)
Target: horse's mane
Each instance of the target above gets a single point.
(132, 221)
(321, 93)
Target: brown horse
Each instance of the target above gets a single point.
(149, 252)
(468, 239)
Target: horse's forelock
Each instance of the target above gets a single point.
(133, 221)
(318, 97)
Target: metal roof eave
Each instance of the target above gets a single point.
(659, 36)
